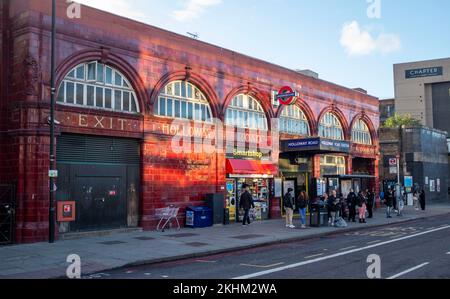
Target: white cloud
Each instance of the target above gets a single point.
(193, 9)
(357, 41)
(118, 7)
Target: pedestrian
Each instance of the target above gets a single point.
(416, 200)
(370, 202)
(302, 204)
(246, 203)
(394, 200)
(288, 203)
(389, 202)
(401, 204)
(422, 200)
(352, 202)
(332, 207)
(362, 202)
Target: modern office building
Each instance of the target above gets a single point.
(387, 109)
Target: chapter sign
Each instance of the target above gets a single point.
(424, 72)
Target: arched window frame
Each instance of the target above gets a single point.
(246, 112)
(183, 100)
(361, 133)
(293, 120)
(95, 85)
(330, 127)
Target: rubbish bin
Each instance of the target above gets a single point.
(315, 215)
(216, 202)
(198, 217)
(226, 216)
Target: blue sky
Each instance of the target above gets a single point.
(346, 41)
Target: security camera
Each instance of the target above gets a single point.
(49, 121)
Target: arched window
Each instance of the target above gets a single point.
(330, 127)
(361, 133)
(98, 86)
(293, 121)
(246, 112)
(182, 100)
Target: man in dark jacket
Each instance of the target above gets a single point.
(246, 203)
(370, 202)
(389, 202)
(352, 202)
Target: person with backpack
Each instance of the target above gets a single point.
(362, 203)
(246, 203)
(351, 203)
(332, 207)
(288, 203)
(302, 204)
(389, 202)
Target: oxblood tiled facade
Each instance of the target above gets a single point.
(150, 58)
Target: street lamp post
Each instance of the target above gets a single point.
(51, 217)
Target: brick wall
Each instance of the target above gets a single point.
(150, 58)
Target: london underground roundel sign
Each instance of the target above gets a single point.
(287, 96)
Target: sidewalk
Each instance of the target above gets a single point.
(98, 254)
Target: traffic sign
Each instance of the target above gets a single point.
(393, 162)
(287, 96)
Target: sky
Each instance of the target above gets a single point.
(353, 43)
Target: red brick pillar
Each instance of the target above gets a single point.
(349, 165)
(32, 188)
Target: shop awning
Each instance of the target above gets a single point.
(250, 167)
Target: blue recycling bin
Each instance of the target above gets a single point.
(198, 217)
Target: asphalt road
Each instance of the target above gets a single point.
(419, 249)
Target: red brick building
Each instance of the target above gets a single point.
(121, 86)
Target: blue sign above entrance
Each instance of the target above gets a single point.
(316, 144)
(424, 72)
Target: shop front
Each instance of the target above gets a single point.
(321, 157)
(259, 176)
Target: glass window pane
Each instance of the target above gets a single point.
(99, 97)
(198, 112)
(100, 75)
(108, 98)
(126, 101)
(109, 75)
(133, 104)
(125, 83)
(183, 109)
(169, 107)
(156, 107)
(90, 95)
(162, 106)
(208, 114)
(203, 112)
(190, 111)
(189, 91)
(177, 88)
(80, 94)
(117, 79)
(70, 92)
(117, 100)
(71, 74)
(183, 89)
(62, 89)
(91, 71)
(80, 72)
(177, 109)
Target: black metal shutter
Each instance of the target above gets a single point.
(92, 149)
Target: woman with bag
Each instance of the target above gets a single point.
(302, 204)
(362, 207)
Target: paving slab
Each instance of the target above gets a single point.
(43, 260)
